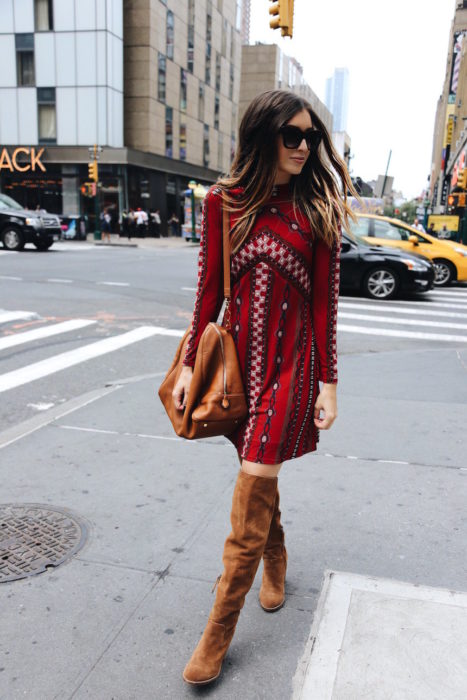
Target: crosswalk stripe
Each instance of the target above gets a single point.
(30, 373)
(402, 334)
(44, 332)
(403, 302)
(401, 310)
(401, 321)
(8, 252)
(8, 316)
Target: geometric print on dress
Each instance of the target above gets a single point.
(333, 296)
(298, 386)
(308, 419)
(259, 305)
(278, 359)
(271, 248)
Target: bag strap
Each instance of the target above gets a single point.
(226, 256)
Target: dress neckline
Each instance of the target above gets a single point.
(281, 192)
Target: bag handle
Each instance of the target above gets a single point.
(226, 256)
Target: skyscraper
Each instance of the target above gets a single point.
(337, 98)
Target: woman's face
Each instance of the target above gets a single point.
(291, 161)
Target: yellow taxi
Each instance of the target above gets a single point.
(449, 258)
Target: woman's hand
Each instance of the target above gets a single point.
(182, 387)
(326, 402)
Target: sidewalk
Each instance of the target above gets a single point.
(155, 243)
(120, 618)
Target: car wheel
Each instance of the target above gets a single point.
(12, 239)
(43, 246)
(444, 272)
(381, 283)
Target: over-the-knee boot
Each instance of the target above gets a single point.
(272, 592)
(252, 509)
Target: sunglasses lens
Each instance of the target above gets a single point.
(292, 137)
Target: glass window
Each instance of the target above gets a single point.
(46, 115)
(183, 81)
(169, 49)
(216, 112)
(225, 29)
(232, 43)
(207, 76)
(232, 145)
(238, 18)
(383, 229)
(25, 59)
(218, 72)
(43, 15)
(169, 132)
(182, 141)
(201, 102)
(231, 82)
(206, 146)
(191, 35)
(360, 228)
(161, 77)
(220, 151)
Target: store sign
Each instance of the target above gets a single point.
(30, 160)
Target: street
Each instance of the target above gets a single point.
(82, 428)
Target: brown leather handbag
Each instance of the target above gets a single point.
(216, 403)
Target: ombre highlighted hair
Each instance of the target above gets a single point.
(316, 191)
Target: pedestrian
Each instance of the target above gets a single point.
(444, 232)
(431, 230)
(126, 231)
(131, 224)
(155, 223)
(105, 225)
(141, 222)
(286, 217)
(174, 224)
(416, 224)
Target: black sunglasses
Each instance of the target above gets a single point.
(292, 137)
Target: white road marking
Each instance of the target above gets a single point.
(89, 430)
(168, 331)
(405, 321)
(402, 302)
(188, 289)
(56, 363)
(45, 332)
(59, 280)
(398, 310)
(8, 316)
(415, 335)
(115, 284)
(72, 247)
(8, 277)
(40, 406)
(8, 252)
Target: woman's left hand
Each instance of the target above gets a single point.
(327, 403)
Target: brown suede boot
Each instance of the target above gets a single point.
(252, 509)
(272, 592)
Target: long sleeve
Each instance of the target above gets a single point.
(210, 289)
(326, 274)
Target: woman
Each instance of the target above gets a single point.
(286, 215)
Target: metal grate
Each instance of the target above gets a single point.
(34, 537)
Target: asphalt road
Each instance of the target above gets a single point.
(82, 428)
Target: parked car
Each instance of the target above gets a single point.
(19, 226)
(380, 272)
(449, 258)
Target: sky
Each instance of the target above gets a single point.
(396, 55)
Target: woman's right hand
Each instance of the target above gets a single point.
(182, 387)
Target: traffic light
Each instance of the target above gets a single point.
(92, 171)
(282, 13)
(452, 200)
(462, 179)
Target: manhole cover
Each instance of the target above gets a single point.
(34, 537)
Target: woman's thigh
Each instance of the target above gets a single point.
(257, 469)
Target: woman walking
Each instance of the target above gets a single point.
(286, 217)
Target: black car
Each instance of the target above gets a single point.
(19, 226)
(381, 272)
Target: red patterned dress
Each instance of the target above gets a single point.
(285, 287)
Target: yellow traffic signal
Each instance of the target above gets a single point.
(92, 171)
(282, 13)
(462, 179)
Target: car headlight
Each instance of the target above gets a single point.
(33, 222)
(413, 264)
(461, 251)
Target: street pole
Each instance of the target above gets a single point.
(97, 228)
(386, 174)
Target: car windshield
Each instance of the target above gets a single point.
(8, 203)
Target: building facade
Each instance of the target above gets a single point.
(337, 98)
(449, 154)
(154, 83)
(266, 67)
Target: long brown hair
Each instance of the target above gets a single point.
(315, 190)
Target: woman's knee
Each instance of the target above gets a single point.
(268, 470)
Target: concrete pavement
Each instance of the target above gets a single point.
(383, 498)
